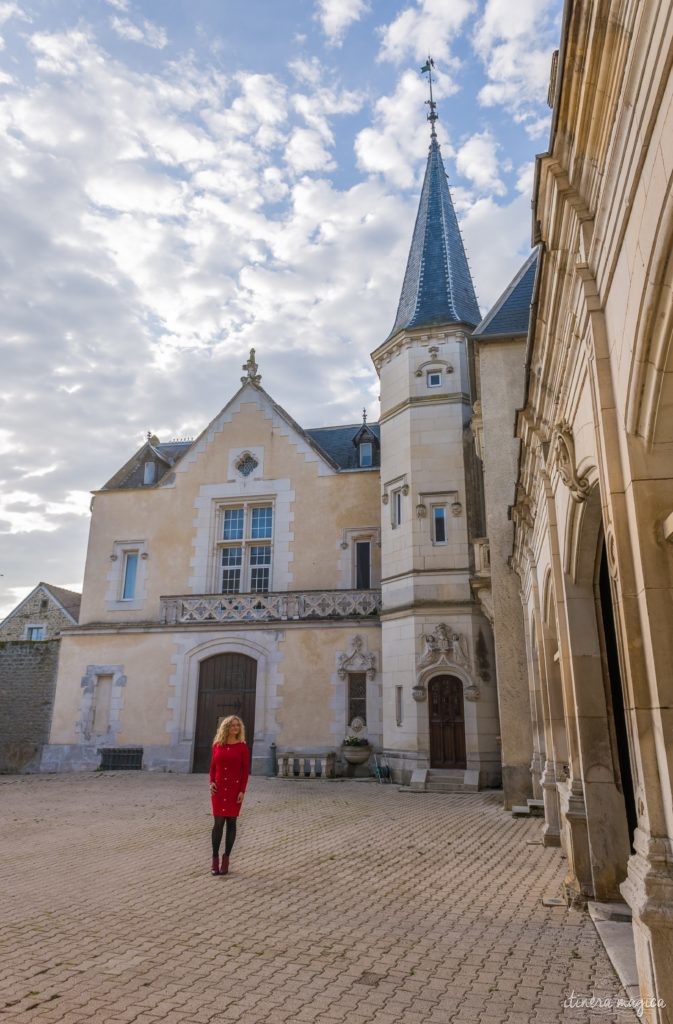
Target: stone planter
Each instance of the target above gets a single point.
(356, 755)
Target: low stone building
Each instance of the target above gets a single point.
(29, 649)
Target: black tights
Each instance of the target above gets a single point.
(218, 829)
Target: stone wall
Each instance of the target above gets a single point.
(27, 685)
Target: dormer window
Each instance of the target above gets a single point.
(434, 378)
(366, 444)
(149, 473)
(366, 452)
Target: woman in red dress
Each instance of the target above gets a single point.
(229, 770)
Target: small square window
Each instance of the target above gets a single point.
(434, 378)
(35, 632)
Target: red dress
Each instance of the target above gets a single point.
(229, 770)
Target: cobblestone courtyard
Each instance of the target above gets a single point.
(348, 902)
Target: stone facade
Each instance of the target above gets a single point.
(27, 684)
(131, 672)
(42, 614)
(595, 490)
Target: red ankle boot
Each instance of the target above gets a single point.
(215, 866)
(224, 869)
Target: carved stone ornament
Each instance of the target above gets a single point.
(611, 552)
(563, 448)
(358, 660)
(472, 692)
(443, 647)
(246, 464)
(419, 693)
(251, 367)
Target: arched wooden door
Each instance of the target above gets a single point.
(447, 722)
(227, 684)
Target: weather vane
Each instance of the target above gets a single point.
(433, 115)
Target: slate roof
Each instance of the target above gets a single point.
(511, 313)
(437, 287)
(337, 442)
(70, 600)
(162, 455)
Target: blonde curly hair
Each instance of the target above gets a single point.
(222, 734)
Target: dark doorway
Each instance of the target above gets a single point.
(227, 684)
(615, 693)
(447, 722)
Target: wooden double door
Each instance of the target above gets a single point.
(227, 686)
(447, 722)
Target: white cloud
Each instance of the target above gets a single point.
(497, 239)
(336, 16)
(515, 43)
(477, 160)
(120, 5)
(147, 33)
(9, 10)
(426, 27)
(305, 152)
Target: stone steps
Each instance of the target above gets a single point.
(450, 780)
(531, 809)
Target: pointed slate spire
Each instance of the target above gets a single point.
(437, 286)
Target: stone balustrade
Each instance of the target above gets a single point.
(311, 766)
(289, 606)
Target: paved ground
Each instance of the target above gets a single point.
(348, 902)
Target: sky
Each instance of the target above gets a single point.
(185, 179)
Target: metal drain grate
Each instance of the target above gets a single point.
(121, 759)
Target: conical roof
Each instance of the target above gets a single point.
(437, 286)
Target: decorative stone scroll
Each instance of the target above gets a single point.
(358, 660)
(563, 449)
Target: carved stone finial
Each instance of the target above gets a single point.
(364, 417)
(252, 377)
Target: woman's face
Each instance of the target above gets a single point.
(235, 728)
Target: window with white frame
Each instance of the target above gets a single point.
(439, 533)
(129, 575)
(244, 544)
(366, 451)
(396, 507)
(433, 378)
(32, 632)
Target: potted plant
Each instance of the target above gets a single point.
(356, 749)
